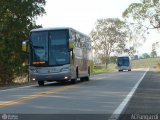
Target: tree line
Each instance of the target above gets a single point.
(112, 36)
(17, 19)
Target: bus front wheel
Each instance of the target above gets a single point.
(41, 83)
(73, 81)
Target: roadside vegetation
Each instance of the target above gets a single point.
(100, 68)
(146, 63)
(140, 63)
(18, 17)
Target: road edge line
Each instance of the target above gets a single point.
(15, 88)
(20, 87)
(120, 108)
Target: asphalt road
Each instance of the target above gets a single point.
(145, 103)
(99, 97)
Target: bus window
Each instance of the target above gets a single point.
(58, 53)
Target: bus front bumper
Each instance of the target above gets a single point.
(124, 67)
(50, 76)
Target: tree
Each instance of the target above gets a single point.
(145, 14)
(130, 51)
(145, 55)
(140, 57)
(17, 19)
(108, 36)
(113, 59)
(135, 57)
(155, 46)
(153, 54)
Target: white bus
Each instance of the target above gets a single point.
(123, 63)
(58, 54)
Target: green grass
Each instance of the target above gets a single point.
(102, 69)
(99, 71)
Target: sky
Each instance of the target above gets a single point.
(82, 15)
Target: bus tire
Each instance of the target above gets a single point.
(73, 81)
(41, 83)
(61, 81)
(87, 78)
(129, 70)
(89, 73)
(84, 78)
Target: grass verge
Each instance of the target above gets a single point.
(99, 71)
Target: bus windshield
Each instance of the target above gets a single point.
(58, 47)
(123, 61)
(49, 48)
(39, 47)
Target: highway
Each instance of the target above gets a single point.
(104, 94)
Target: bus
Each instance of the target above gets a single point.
(123, 63)
(58, 54)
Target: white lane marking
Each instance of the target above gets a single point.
(123, 104)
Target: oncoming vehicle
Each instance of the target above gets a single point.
(123, 63)
(58, 54)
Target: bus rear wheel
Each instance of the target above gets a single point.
(41, 83)
(84, 78)
(87, 78)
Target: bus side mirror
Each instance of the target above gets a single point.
(71, 44)
(25, 46)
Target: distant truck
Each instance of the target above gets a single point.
(123, 63)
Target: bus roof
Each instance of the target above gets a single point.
(50, 28)
(123, 56)
(56, 28)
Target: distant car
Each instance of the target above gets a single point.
(123, 63)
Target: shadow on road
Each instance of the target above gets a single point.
(52, 84)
